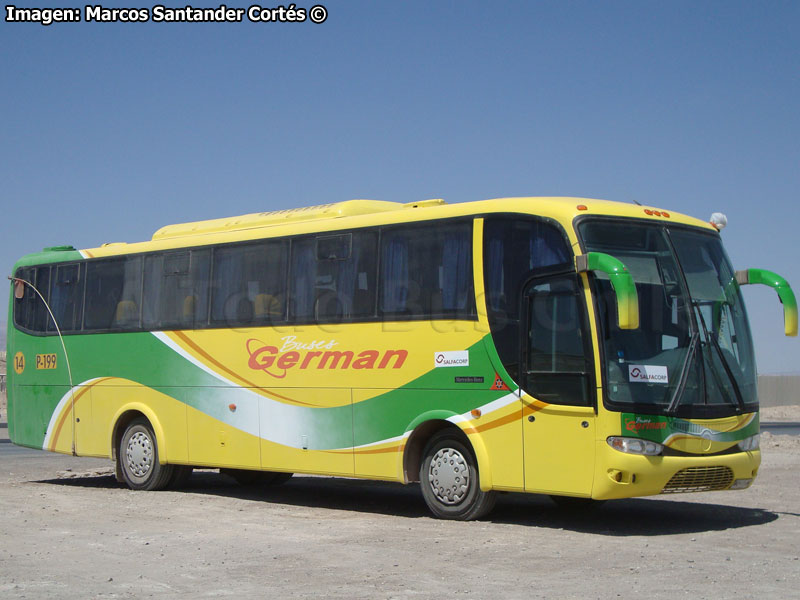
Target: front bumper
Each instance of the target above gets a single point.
(620, 475)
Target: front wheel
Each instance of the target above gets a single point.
(137, 458)
(448, 477)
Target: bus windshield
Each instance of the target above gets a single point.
(692, 355)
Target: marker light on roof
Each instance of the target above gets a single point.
(719, 221)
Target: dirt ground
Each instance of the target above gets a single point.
(70, 531)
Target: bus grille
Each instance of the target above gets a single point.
(699, 479)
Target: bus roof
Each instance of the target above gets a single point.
(365, 213)
(348, 208)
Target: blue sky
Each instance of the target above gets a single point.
(110, 131)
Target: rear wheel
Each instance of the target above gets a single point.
(449, 480)
(137, 458)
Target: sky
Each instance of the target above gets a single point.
(112, 130)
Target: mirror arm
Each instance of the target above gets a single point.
(781, 286)
(621, 281)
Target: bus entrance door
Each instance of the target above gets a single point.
(559, 449)
(559, 420)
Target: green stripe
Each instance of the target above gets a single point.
(143, 358)
(659, 428)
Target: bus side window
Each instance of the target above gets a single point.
(347, 277)
(362, 274)
(333, 277)
(25, 307)
(39, 313)
(303, 277)
(176, 289)
(66, 300)
(427, 271)
(113, 294)
(249, 283)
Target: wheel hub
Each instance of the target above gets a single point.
(140, 454)
(449, 476)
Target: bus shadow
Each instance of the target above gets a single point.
(639, 516)
(356, 495)
(636, 516)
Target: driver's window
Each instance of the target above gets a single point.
(557, 359)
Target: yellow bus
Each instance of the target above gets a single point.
(584, 349)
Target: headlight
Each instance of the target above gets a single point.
(635, 446)
(748, 444)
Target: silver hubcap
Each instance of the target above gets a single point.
(448, 474)
(140, 454)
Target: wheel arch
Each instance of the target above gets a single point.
(424, 427)
(125, 415)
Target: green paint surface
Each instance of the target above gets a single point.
(659, 428)
(144, 359)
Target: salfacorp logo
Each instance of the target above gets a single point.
(648, 374)
(458, 358)
(276, 361)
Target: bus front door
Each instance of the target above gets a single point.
(559, 418)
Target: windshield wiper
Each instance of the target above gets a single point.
(725, 365)
(678, 395)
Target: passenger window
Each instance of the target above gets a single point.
(113, 294)
(29, 311)
(66, 298)
(334, 247)
(333, 277)
(176, 290)
(426, 271)
(40, 316)
(249, 284)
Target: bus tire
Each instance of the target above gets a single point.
(138, 458)
(449, 479)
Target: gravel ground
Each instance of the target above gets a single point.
(70, 531)
(781, 413)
